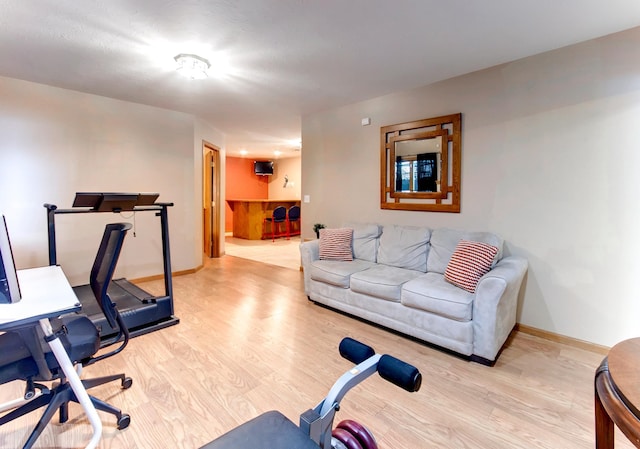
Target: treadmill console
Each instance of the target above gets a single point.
(114, 202)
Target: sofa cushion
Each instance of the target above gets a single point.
(432, 293)
(404, 247)
(336, 272)
(444, 241)
(335, 244)
(469, 262)
(382, 281)
(365, 240)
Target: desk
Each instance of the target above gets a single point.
(46, 293)
(617, 394)
(248, 215)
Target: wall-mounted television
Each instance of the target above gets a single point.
(9, 288)
(263, 168)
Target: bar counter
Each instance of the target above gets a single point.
(249, 214)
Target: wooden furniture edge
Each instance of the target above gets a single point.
(611, 406)
(576, 343)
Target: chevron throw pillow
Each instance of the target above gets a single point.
(469, 262)
(335, 244)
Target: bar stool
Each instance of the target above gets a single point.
(293, 218)
(278, 216)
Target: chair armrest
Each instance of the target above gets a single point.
(309, 252)
(495, 305)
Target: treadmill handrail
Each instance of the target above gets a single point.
(160, 208)
(84, 210)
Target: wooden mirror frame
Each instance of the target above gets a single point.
(447, 198)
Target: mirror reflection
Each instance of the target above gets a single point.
(418, 165)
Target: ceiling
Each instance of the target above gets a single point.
(273, 61)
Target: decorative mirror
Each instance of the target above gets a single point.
(420, 165)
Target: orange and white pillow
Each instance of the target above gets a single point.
(469, 262)
(336, 244)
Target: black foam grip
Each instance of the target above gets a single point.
(354, 351)
(399, 373)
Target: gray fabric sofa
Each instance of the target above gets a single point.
(396, 280)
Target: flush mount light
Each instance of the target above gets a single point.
(192, 66)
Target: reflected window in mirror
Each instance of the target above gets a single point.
(418, 165)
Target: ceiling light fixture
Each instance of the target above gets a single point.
(192, 66)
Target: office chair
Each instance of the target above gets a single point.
(278, 217)
(293, 216)
(26, 356)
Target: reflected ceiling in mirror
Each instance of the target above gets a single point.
(420, 165)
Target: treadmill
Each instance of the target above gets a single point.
(141, 311)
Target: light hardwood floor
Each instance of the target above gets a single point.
(281, 252)
(249, 341)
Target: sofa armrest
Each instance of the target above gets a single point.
(495, 306)
(309, 252)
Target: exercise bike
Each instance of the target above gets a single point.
(274, 430)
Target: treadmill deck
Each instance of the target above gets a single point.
(141, 311)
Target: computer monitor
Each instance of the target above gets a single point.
(9, 287)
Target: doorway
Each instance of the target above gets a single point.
(211, 199)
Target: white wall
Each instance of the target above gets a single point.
(55, 142)
(549, 160)
(292, 168)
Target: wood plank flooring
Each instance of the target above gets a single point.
(281, 252)
(249, 341)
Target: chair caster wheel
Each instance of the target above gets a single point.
(124, 421)
(127, 382)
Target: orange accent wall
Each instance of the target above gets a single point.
(242, 184)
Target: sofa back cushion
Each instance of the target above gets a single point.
(365, 240)
(404, 247)
(444, 241)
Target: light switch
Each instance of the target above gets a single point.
(307, 199)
